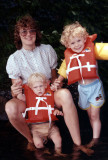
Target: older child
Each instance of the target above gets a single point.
(81, 66)
(40, 112)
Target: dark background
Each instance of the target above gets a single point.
(52, 16)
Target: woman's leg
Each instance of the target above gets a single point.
(14, 109)
(63, 98)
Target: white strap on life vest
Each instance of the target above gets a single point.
(48, 107)
(88, 66)
(36, 108)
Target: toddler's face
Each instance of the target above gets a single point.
(38, 88)
(76, 44)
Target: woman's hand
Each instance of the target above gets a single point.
(56, 85)
(16, 87)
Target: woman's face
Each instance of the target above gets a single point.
(28, 37)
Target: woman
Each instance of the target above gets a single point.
(31, 57)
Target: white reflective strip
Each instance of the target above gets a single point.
(28, 109)
(72, 57)
(37, 104)
(33, 108)
(49, 113)
(39, 108)
(89, 66)
(44, 108)
(85, 66)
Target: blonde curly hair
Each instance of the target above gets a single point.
(36, 77)
(72, 30)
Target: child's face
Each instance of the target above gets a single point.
(76, 44)
(38, 88)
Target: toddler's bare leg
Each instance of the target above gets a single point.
(94, 116)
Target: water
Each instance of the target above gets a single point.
(13, 145)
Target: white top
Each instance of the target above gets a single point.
(22, 63)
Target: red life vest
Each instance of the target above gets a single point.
(81, 65)
(39, 109)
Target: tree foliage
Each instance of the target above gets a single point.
(52, 16)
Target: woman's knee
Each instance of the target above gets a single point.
(63, 92)
(64, 99)
(62, 95)
(12, 109)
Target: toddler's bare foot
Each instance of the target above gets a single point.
(93, 142)
(58, 153)
(31, 147)
(46, 151)
(86, 150)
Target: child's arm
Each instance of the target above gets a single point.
(57, 112)
(62, 75)
(54, 75)
(62, 69)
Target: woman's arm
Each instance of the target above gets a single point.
(16, 87)
(54, 75)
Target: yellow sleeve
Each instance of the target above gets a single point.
(101, 51)
(62, 69)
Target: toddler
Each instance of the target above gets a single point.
(40, 114)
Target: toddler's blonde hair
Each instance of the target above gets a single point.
(72, 30)
(36, 77)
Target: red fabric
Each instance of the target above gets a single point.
(31, 101)
(88, 52)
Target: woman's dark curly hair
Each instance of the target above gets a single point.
(26, 22)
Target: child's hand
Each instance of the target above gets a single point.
(57, 112)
